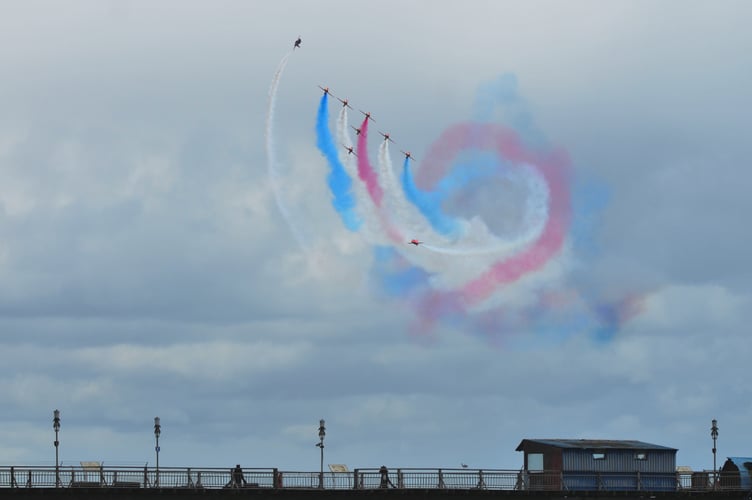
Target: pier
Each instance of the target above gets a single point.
(94, 481)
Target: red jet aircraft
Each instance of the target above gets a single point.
(344, 103)
(386, 137)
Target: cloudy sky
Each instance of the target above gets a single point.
(156, 260)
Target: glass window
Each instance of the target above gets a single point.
(599, 456)
(640, 455)
(535, 461)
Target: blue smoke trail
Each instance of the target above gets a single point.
(590, 197)
(428, 203)
(339, 182)
(501, 99)
(463, 175)
(394, 275)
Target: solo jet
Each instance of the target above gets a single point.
(415, 242)
(325, 89)
(297, 43)
(357, 130)
(386, 137)
(350, 150)
(368, 115)
(407, 155)
(344, 103)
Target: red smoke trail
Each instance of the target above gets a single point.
(365, 171)
(544, 248)
(553, 168)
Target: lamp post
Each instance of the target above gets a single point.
(320, 444)
(56, 426)
(157, 432)
(714, 435)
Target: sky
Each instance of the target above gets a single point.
(172, 245)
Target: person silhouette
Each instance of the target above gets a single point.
(238, 479)
(385, 481)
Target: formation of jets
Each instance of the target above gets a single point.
(367, 114)
(350, 150)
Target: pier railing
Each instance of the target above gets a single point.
(366, 478)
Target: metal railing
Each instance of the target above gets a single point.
(365, 479)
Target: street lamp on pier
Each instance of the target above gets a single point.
(56, 426)
(714, 435)
(157, 432)
(320, 444)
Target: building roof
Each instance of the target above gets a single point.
(600, 444)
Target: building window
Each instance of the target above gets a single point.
(599, 456)
(535, 462)
(640, 455)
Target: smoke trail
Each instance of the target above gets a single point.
(344, 137)
(549, 214)
(492, 208)
(402, 214)
(366, 210)
(339, 182)
(392, 202)
(476, 238)
(271, 161)
(554, 169)
(428, 203)
(365, 170)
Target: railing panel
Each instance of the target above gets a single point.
(494, 480)
(5, 478)
(300, 480)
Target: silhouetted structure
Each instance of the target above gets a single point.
(736, 473)
(596, 464)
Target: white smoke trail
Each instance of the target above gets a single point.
(477, 239)
(343, 136)
(412, 223)
(406, 216)
(450, 262)
(274, 176)
(455, 262)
